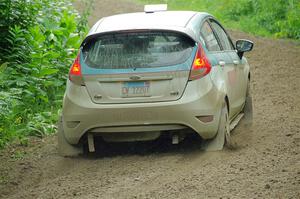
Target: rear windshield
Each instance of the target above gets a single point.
(137, 50)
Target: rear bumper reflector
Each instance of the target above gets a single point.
(205, 118)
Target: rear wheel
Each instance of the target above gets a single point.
(248, 109)
(64, 148)
(223, 135)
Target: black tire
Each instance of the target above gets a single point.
(222, 137)
(66, 149)
(248, 107)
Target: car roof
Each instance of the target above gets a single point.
(163, 20)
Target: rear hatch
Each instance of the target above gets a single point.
(136, 66)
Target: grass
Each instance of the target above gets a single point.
(271, 18)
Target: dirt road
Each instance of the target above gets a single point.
(265, 164)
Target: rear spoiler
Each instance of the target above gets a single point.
(187, 32)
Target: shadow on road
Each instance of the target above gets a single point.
(162, 145)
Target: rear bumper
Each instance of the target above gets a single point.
(201, 98)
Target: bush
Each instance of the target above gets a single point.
(40, 38)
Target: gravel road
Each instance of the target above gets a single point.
(265, 163)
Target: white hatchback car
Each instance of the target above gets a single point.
(140, 75)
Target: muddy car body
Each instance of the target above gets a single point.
(139, 75)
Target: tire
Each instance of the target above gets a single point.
(64, 148)
(223, 134)
(248, 108)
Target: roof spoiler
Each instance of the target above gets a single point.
(155, 8)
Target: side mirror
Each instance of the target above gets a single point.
(242, 46)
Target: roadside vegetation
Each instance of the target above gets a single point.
(275, 18)
(39, 40)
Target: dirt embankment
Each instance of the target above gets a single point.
(266, 163)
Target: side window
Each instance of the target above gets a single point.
(224, 40)
(209, 37)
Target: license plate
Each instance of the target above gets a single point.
(135, 89)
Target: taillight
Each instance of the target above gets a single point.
(201, 65)
(75, 74)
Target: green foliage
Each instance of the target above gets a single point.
(280, 18)
(277, 17)
(15, 15)
(37, 49)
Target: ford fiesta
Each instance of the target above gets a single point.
(140, 75)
